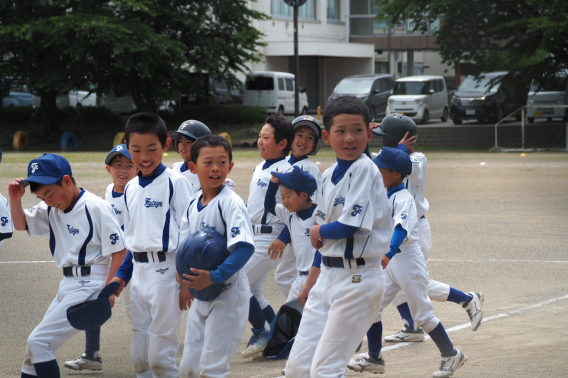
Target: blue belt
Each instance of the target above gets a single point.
(337, 262)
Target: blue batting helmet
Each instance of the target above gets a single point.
(312, 123)
(283, 330)
(94, 311)
(205, 249)
(190, 129)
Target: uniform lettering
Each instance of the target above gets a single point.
(235, 231)
(149, 202)
(356, 210)
(339, 201)
(4, 221)
(72, 231)
(307, 233)
(114, 239)
(320, 214)
(207, 227)
(261, 183)
(116, 211)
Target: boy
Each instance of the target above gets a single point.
(274, 143)
(182, 139)
(307, 141)
(85, 240)
(298, 213)
(119, 165)
(406, 270)
(215, 328)
(399, 130)
(353, 226)
(154, 225)
(6, 226)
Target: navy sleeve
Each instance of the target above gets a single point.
(397, 238)
(126, 268)
(233, 263)
(337, 230)
(284, 236)
(317, 260)
(270, 199)
(402, 147)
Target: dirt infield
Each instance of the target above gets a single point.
(499, 225)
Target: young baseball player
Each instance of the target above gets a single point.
(119, 165)
(154, 225)
(354, 224)
(297, 211)
(215, 328)
(399, 130)
(182, 139)
(406, 270)
(274, 143)
(85, 240)
(307, 141)
(6, 225)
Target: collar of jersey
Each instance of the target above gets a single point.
(116, 194)
(79, 196)
(392, 191)
(294, 159)
(268, 163)
(306, 213)
(147, 180)
(340, 169)
(184, 167)
(200, 206)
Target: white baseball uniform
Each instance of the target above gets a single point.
(266, 227)
(6, 225)
(81, 238)
(191, 177)
(154, 226)
(407, 269)
(345, 300)
(215, 328)
(116, 200)
(287, 272)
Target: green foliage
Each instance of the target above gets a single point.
(15, 115)
(525, 36)
(213, 115)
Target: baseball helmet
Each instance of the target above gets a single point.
(205, 249)
(190, 129)
(394, 126)
(283, 330)
(94, 311)
(312, 123)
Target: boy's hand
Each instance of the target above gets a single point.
(185, 298)
(274, 179)
(408, 142)
(315, 236)
(276, 249)
(384, 261)
(122, 285)
(111, 299)
(16, 190)
(199, 282)
(374, 125)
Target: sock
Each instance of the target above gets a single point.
(405, 314)
(24, 375)
(458, 296)
(269, 314)
(92, 341)
(375, 338)
(256, 315)
(442, 341)
(48, 369)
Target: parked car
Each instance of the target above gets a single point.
(420, 98)
(479, 100)
(19, 95)
(553, 92)
(121, 104)
(210, 91)
(373, 89)
(74, 98)
(273, 91)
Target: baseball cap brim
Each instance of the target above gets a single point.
(43, 180)
(310, 125)
(379, 131)
(175, 135)
(114, 153)
(285, 180)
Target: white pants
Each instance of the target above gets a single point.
(407, 272)
(437, 291)
(215, 330)
(340, 309)
(287, 271)
(125, 296)
(156, 318)
(259, 265)
(297, 284)
(54, 329)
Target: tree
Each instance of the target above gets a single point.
(145, 48)
(526, 37)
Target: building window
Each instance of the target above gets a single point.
(333, 9)
(280, 8)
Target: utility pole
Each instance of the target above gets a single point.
(296, 4)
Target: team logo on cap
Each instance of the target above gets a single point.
(356, 278)
(72, 231)
(4, 221)
(119, 148)
(163, 270)
(235, 231)
(35, 167)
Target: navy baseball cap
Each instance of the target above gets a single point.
(395, 159)
(95, 311)
(119, 149)
(47, 169)
(297, 179)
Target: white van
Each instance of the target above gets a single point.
(554, 92)
(74, 98)
(420, 98)
(273, 91)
